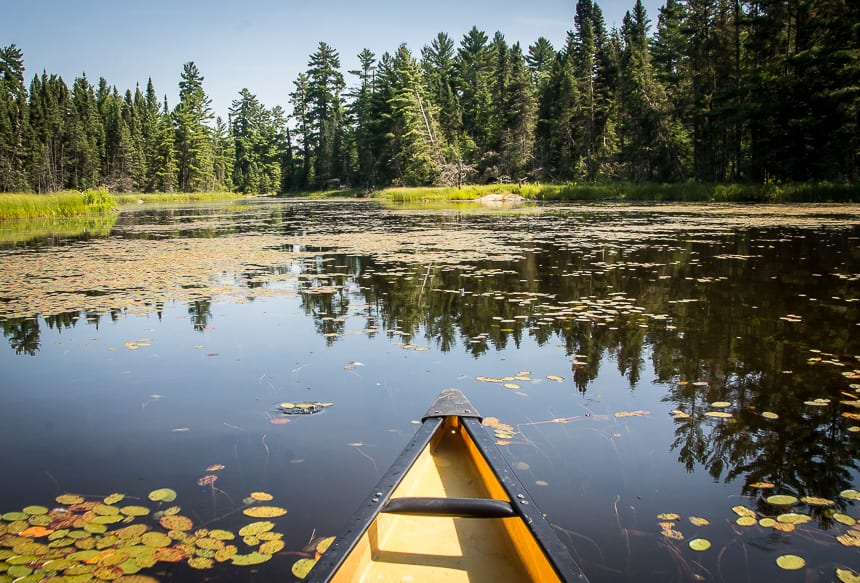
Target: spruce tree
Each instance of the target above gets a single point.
(193, 136)
(14, 120)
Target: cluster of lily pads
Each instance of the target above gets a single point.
(783, 519)
(107, 540)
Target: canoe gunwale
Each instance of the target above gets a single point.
(451, 403)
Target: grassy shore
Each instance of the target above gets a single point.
(644, 192)
(71, 203)
(167, 197)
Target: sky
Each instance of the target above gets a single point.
(261, 45)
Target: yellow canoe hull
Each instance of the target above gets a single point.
(416, 528)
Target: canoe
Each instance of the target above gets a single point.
(450, 508)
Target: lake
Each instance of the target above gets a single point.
(664, 370)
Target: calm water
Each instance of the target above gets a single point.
(143, 352)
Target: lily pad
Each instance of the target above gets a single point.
(700, 544)
(790, 562)
(847, 576)
(256, 528)
(781, 500)
(302, 567)
(850, 494)
(163, 495)
(254, 558)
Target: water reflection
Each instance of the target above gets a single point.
(756, 314)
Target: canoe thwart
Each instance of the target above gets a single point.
(451, 402)
(456, 507)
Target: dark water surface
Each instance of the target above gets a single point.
(136, 360)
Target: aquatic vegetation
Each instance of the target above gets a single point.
(74, 539)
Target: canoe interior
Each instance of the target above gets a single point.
(430, 548)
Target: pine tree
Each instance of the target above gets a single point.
(223, 156)
(439, 64)
(149, 114)
(362, 116)
(413, 145)
(164, 171)
(193, 136)
(304, 133)
(325, 114)
(650, 149)
(14, 120)
(86, 137)
(520, 112)
(475, 73)
(49, 102)
(540, 59)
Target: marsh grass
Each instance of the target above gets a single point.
(125, 198)
(637, 191)
(68, 203)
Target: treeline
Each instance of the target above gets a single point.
(755, 91)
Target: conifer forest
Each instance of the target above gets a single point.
(754, 91)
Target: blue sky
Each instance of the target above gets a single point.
(259, 44)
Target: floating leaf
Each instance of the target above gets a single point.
(324, 544)
(769, 415)
(746, 521)
(781, 500)
(512, 386)
(262, 496)
(69, 499)
(225, 554)
(134, 510)
(743, 511)
(668, 516)
(721, 404)
(35, 532)
(256, 528)
(767, 522)
(176, 522)
(553, 377)
(847, 576)
(844, 519)
(816, 501)
(221, 534)
(790, 562)
(264, 511)
(35, 510)
(762, 485)
(639, 413)
(13, 516)
(155, 539)
(700, 544)
(850, 494)
(163, 495)
(215, 467)
(793, 518)
(114, 498)
(210, 544)
(254, 558)
(271, 547)
(672, 534)
(207, 480)
(200, 563)
(718, 414)
(105, 510)
(849, 539)
(169, 554)
(302, 567)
